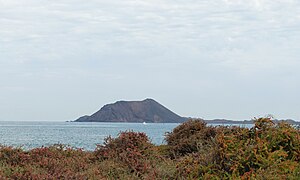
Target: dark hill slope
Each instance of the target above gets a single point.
(147, 110)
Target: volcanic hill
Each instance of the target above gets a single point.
(148, 111)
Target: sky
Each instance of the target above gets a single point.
(233, 59)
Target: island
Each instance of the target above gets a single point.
(148, 111)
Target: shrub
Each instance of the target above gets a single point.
(189, 137)
(130, 148)
(12, 156)
(237, 153)
(265, 146)
(55, 162)
(206, 161)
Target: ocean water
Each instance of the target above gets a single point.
(30, 135)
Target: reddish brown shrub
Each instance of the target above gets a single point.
(130, 148)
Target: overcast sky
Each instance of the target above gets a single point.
(234, 59)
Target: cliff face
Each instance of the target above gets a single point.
(147, 110)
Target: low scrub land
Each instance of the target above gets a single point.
(193, 151)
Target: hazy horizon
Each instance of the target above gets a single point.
(210, 59)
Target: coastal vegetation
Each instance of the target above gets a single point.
(193, 150)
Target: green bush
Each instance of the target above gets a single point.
(189, 137)
(261, 152)
(265, 146)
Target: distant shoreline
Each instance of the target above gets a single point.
(214, 121)
(225, 121)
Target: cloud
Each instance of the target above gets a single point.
(103, 44)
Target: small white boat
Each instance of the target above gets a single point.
(144, 123)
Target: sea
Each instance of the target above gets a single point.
(86, 135)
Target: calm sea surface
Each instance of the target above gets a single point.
(81, 135)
